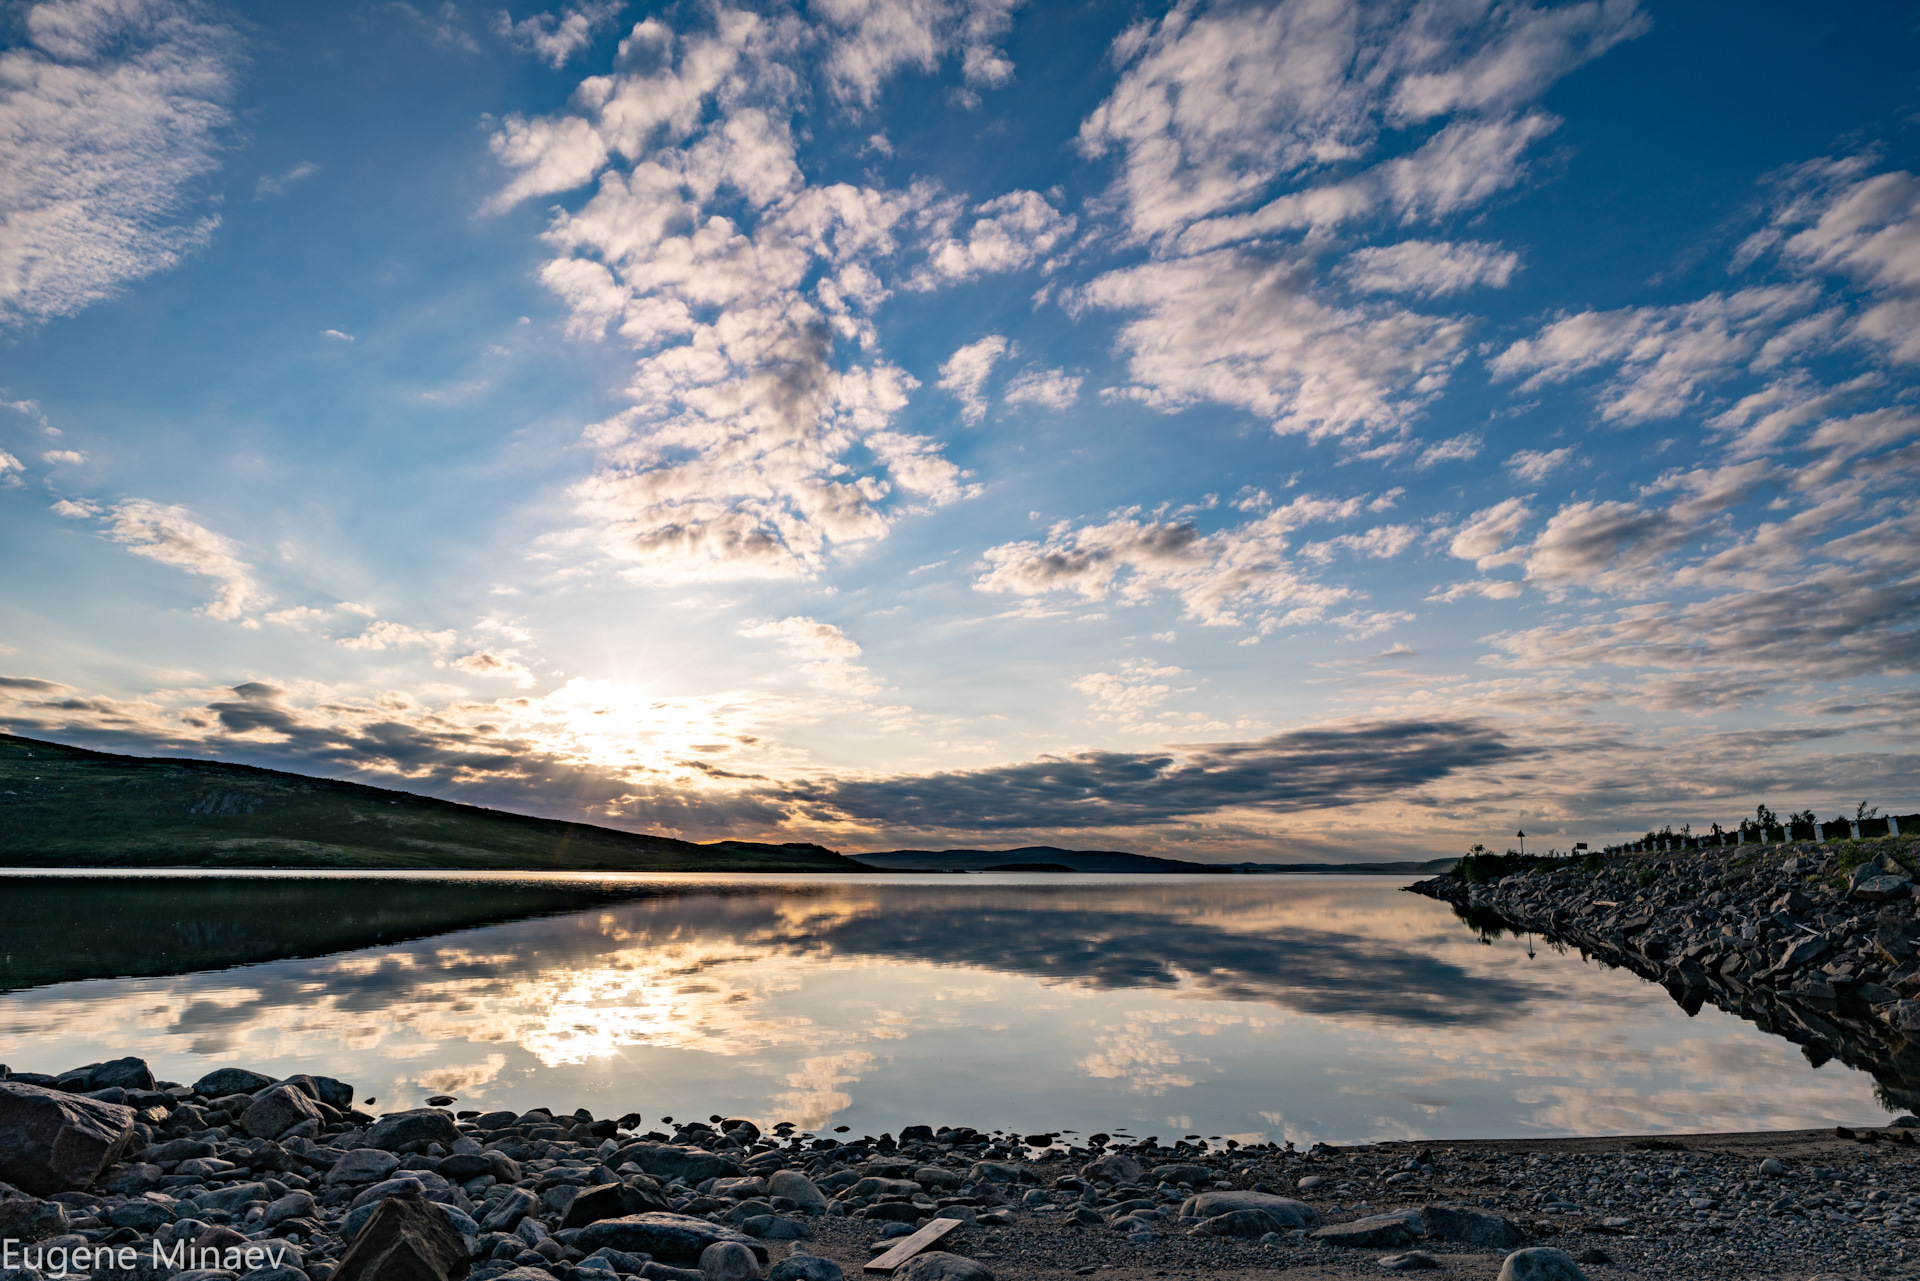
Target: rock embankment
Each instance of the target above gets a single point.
(241, 1177)
(1818, 943)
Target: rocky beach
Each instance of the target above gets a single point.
(112, 1174)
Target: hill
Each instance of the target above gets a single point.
(1066, 860)
(65, 807)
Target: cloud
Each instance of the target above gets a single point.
(116, 108)
(442, 27)
(75, 510)
(277, 184)
(1663, 356)
(1234, 577)
(1488, 530)
(495, 667)
(827, 653)
(869, 41)
(554, 39)
(385, 635)
(1130, 693)
(756, 445)
(1429, 268)
(1048, 388)
(336, 335)
(965, 374)
(1534, 465)
(1008, 233)
(174, 536)
(63, 458)
(1309, 769)
(1454, 449)
(10, 468)
(1245, 329)
(1212, 109)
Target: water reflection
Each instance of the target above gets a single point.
(1250, 1007)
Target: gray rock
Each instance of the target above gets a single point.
(144, 1217)
(670, 1238)
(275, 1274)
(1289, 1212)
(278, 1110)
(1114, 1167)
(420, 1126)
(130, 1179)
(51, 1141)
(363, 1165)
(233, 1197)
(294, 1205)
(998, 1172)
(516, 1205)
(127, 1073)
(224, 1081)
(407, 1239)
(884, 1187)
(1183, 1172)
(799, 1189)
(1468, 1226)
(728, 1261)
(1380, 1231)
(1771, 1169)
(739, 1189)
(462, 1166)
(669, 1163)
(771, 1227)
(407, 1182)
(805, 1267)
(25, 1218)
(1541, 1263)
(1411, 1261)
(938, 1265)
(610, 1201)
(1251, 1224)
(1882, 889)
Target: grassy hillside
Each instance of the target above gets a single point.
(64, 807)
(1068, 860)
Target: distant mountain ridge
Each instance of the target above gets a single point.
(1116, 861)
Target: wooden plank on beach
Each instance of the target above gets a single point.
(911, 1246)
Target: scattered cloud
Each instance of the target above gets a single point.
(1456, 449)
(1429, 269)
(174, 536)
(1530, 466)
(495, 666)
(555, 38)
(1007, 233)
(276, 184)
(336, 335)
(827, 654)
(1129, 694)
(385, 635)
(965, 374)
(116, 109)
(1048, 388)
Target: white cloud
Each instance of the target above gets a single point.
(385, 635)
(1664, 356)
(1008, 233)
(554, 39)
(300, 617)
(1048, 388)
(872, 40)
(1130, 693)
(1534, 465)
(1234, 577)
(10, 469)
(1429, 268)
(827, 653)
(75, 510)
(1487, 531)
(1246, 330)
(755, 446)
(1454, 449)
(495, 666)
(114, 110)
(965, 374)
(63, 458)
(173, 536)
(277, 184)
(336, 335)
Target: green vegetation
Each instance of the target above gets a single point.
(65, 807)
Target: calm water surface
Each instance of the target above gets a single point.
(1299, 1008)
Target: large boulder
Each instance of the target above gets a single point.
(406, 1239)
(278, 1110)
(1183, 1172)
(416, 1128)
(128, 1073)
(668, 1162)
(670, 1238)
(363, 1165)
(516, 1205)
(1379, 1231)
(938, 1265)
(1541, 1263)
(52, 1141)
(728, 1261)
(799, 1189)
(610, 1201)
(1114, 1167)
(1468, 1226)
(805, 1267)
(26, 1218)
(1291, 1213)
(1252, 1224)
(224, 1081)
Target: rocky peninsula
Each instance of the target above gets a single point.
(112, 1174)
(1815, 942)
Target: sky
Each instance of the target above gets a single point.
(1238, 431)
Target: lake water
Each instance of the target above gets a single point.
(1258, 1008)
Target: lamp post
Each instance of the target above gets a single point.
(1523, 843)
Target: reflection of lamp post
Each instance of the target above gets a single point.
(1523, 843)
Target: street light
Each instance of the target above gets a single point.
(1523, 843)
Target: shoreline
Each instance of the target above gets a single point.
(241, 1161)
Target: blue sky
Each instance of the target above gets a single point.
(1230, 431)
